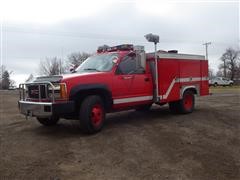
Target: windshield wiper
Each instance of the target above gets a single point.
(91, 69)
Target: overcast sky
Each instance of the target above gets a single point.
(33, 30)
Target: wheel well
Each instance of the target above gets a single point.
(193, 89)
(104, 94)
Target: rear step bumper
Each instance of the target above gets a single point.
(46, 109)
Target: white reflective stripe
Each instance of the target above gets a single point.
(190, 79)
(133, 99)
(205, 78)
(169, 89)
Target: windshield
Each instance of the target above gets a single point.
(99, 63)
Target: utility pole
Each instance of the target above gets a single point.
(206, 45)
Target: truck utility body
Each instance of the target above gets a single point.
(114, 79)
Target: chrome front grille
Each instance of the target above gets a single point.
(37, 91)
(34, 90)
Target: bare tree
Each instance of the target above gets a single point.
(210, 73)
(30, 78)
(12, 83)
(219, 73)
(51, 66)
(237, 75)
(230, 59)
(77, 58)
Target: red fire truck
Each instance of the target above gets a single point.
(117, 78)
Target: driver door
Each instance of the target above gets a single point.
(123, 78)
(131, 83)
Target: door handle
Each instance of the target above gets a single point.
(146, 79)
(127, 77)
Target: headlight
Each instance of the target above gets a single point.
(60, 91)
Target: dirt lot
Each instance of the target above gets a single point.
(133, 145)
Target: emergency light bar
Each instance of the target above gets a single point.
(122, 47)
(102, 48)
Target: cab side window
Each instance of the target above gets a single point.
(129, 65)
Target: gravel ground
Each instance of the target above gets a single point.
(133, 145)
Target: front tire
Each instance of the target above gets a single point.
(51, 121)
(92, 114)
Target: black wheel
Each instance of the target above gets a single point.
(51, 121)
(215, 84)
(185, 105)
(144, 107)
(92, 114)
(231, 84)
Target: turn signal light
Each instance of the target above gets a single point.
(63, 91)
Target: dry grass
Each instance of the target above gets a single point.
(225, 89)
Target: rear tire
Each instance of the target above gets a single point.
(51, 121)
(92, 114)
(215, 84)
(185, 105)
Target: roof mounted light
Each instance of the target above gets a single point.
(102, 48)
(122, 47)
(152, 38)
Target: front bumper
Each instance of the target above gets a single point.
(46, 109)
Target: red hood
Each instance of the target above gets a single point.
(86, 78)
(66, 77)
(73, 80)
